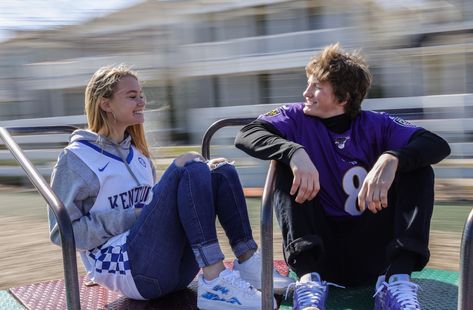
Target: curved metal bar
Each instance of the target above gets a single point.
(218, 125)
(71, 279)
(465, 285)
(267, 238)
(266, 211)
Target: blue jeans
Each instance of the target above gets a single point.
(175, 234)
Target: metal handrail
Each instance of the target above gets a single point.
(71, 279)
(465, 284)
(266, 211)
(226, 122)
(267, 289)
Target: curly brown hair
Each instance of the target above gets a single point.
(347, 73)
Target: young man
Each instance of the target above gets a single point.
(354, 189)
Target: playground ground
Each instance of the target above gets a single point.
(27, 256)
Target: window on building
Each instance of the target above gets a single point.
(469, 72)
(286, 86)
(237, 90)
(9, 110)
(236, 27)
(197, 92)
(376, 90)
(264, 87)
(287, 20)
(156, 96)
(74, 102)
(201, 32)
(315, 18)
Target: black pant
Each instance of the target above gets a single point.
(356, 250)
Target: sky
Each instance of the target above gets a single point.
(40, 14)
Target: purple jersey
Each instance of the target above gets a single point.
(342, 160)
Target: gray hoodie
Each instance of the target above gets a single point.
(77, 186)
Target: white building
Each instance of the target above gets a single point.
(207, 53)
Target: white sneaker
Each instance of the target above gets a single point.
(250, 270)
(228, 291)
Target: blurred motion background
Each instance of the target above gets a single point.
(202, 60)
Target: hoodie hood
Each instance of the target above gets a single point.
(103, 142)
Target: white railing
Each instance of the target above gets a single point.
(68, 73)
(441, 124)
(43, 150)
(458, 165)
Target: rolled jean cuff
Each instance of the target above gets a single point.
(208, 254)
(244, 246)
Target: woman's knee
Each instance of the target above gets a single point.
(227, 169)
(195, 169)
(227, 176)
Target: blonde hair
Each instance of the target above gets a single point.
(347, 73)
(103, 85)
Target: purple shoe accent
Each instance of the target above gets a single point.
(398, 295)
(311, 293)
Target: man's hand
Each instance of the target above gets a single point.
(306, 177)
(374, 191)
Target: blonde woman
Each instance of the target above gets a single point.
(139, 238)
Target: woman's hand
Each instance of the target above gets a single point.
(374, 191)
(214, 162)
(138, 212)
(181, 160)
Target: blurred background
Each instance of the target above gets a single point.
(202, 60)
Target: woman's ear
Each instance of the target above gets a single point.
(105, 105)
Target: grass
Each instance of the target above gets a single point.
(446, 217)
(450, 218)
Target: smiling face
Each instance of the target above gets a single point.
(321, 101)
(126, 107)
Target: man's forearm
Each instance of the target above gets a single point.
(424, 148)
(263, 141)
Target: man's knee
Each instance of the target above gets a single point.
(425, 173)
(419, 180)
